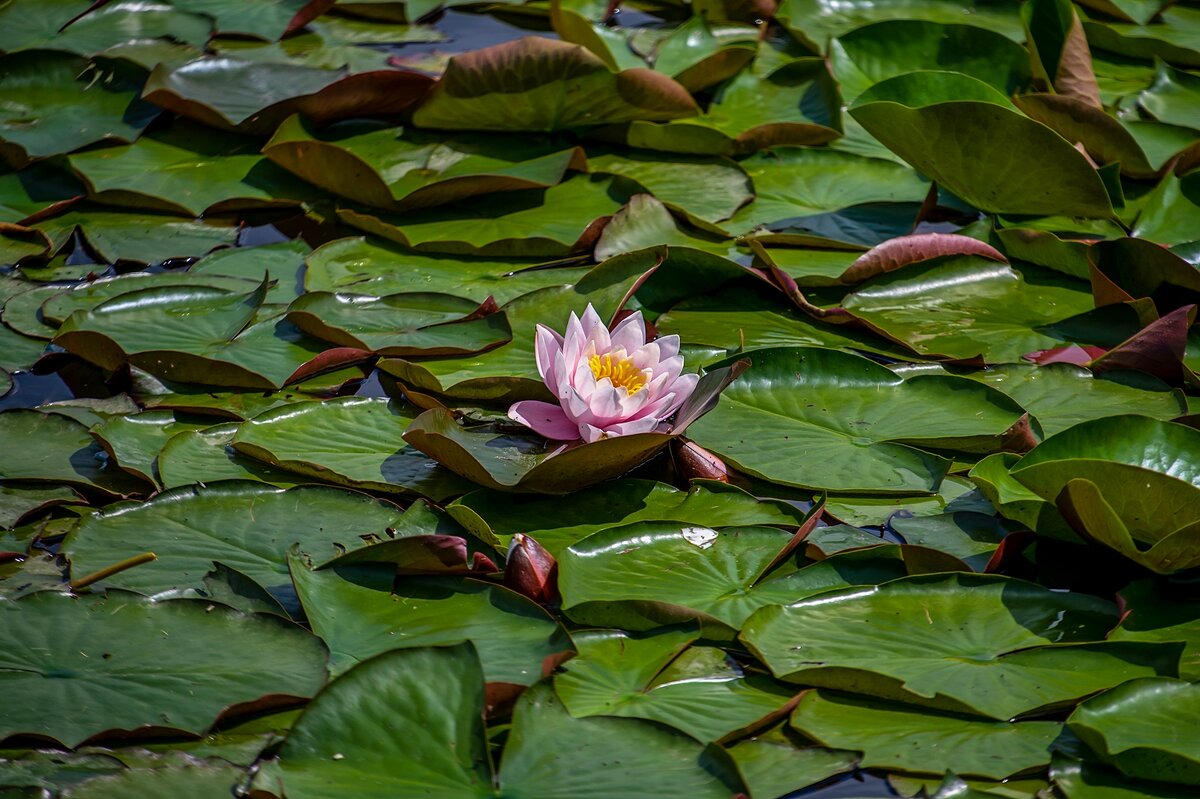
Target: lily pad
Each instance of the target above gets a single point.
(935, 658)
(547, 752)
(65, 455)
(535, 84)
(386, 167)
(254, 97)
(401, 325)
(788, 419)
(647, 574)
(1154, 613)
(359, 614)
(365, 266)
(906, 739)
(91, 665)
(662, 677)
(987, 154)
(58, 102)
(352, 441)
(1140, 728)
(247, 526)
(817, 21)
(559, 522)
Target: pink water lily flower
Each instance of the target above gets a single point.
(607, 384)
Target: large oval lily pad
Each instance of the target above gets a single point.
(76, 667)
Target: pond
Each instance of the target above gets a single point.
(581, 399)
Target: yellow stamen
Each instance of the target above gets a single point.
(620, 371)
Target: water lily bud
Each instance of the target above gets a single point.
(693, 461)
(531, 570)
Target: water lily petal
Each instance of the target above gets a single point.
(545, 418)
(630, 334)
(646, 425)
(547, 345)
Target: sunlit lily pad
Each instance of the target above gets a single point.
(935, 658)
(788, 419)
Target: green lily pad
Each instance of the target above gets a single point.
(1078, 779)
(207, 455)
(255, 97)
(559, 522)
(1061, 395)
(32, 25)
(431, 739)
(366, 266)
(386, 167)
(247, 526)
(935, 658)
(268, 20)
(794, 181)
(1111, 453)
(968, 307)
(194, 781)
(85, 296)
(797, 103)
(356, 610)
(823, 419)
(141, 238)
(1172, 37)
(1141, 728)
(193, 334)
(509, 372)
(134, 441)
(662, 677)
(90, 665)
(980, 142)
(547, 85)
(351, 441)
(1153, 613)
(65, 454)
(504, 459)
(58, 102)
(865, 56)
(907, 739)
(551, 223)
(401, 325)
(189, 170)
(18, 503)
(704, 190)
(646, 574)
(772, 764)
(744, 319)
(814, 22)
(1087, 511)
(971, 537)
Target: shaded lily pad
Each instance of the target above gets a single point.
(662, 677)
(389, 168)
(57, 102)
(557, 522)
(119, 651)
(1140, 728)
(359, 614)
(436, 742)
(551, 223)
(1154, 613)
(65, 454)
(401, 324)
(904, 738)
(189, 170)
(817, 21)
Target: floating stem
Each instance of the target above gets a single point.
(109, 571)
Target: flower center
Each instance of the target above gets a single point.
(620, 371)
